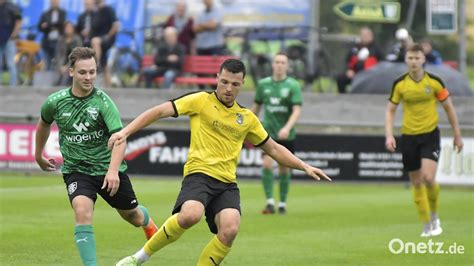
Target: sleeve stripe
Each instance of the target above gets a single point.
(175, 110)
(263, 142)
(399, 79)
(436, 78)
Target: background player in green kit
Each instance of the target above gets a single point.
(86, 117)
(280, 96)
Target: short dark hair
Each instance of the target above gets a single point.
(80, 53)
(416, 47)
(233, 65)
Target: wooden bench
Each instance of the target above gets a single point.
(194, 65)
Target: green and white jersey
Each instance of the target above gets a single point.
(85, 125)
(278, 98)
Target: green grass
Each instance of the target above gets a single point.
(327, 224)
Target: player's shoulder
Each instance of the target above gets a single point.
(197, 94)
(292, 82)
(265, 81)
(435, 79)
(400, 79)
(59, 95)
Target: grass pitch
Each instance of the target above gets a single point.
(327, 224)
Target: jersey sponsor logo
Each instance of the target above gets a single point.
(66, 114)
(275, 100)
(224, 127)
(79, 138)
(81, 127)
(71, 188)
(240, 119)
(92, 112)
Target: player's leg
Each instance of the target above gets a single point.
(429, 164)
(285, 177)
(411, 152)
(267, 180)
(223, 219)
(228, 222)
(82, 195)
(188, 211)
(126, 204)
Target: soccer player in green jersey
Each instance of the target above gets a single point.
(281, 98)
(219, 126)
(86, 117)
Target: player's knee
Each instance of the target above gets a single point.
(83, 215)
(229, 232)
(134, 217)
(188, 219)
(95, 41)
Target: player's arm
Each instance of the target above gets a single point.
(284, 157)
(390, 143)
(453, 120)
(111, 180)
(42, 134)
(295, 115)
(146, 118)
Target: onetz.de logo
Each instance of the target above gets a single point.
(397, 246)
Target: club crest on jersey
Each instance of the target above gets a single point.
(92, 112)
(285, 92)
(71, 188)
(240, 118)
(428, 89)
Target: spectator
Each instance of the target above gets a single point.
(209, 32)
(168, 60)
(84, 23)
(66, 44)
(398, 50)
(431, 56)
(10, 24)
(51, 25)
(364, 55)
(184, 26)
(105, 26)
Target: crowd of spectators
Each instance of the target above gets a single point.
(98, 25)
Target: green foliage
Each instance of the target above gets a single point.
(327, 224)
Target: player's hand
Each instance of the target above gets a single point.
(46, 164)
(111, 182)
(390, 143)
(116, 139)
(283, 133)
(458, 143)
(316, 173)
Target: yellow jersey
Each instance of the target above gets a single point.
(217, 134)
(419, 102)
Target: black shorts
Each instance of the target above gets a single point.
(415, 147)
(215, 195)
(89, 186)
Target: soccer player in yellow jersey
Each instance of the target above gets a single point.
(219, 126)
(419, 91)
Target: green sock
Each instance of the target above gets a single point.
(284, 186)
(85, 242)
(267, 179)
(146, 216)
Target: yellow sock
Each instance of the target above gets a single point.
(214, 253)
(421, 201)
(169, 232)
(433, 193)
